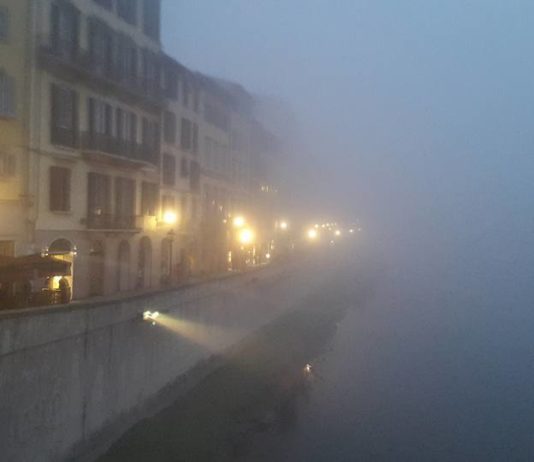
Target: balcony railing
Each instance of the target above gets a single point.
(96, 69)
(128, 150)
(112, 222)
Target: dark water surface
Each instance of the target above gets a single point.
(437, 365)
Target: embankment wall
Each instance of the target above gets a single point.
(70, 375)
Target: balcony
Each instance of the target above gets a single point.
(108, 222)
(110, 149)
(70, 61)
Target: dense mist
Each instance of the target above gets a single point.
(414, 117)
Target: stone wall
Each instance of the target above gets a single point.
(70, 374)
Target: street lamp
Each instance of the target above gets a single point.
(170, 217)
(284, 225)
(312, 234)
(246, 236)
(239, 221)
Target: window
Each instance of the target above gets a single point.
(124, 202)
(186, 93)
(184, 168)
(186, 139)
(64, 120)
(149, 198)
(151, 18)
(126, 127)
(7, 248)
(151, 72)
(7, 165)
(127, 10)
(98, 197)
(196, 101)
(195, 139)
(127, 58)
(101, 47)
(4, 24)
(194, 176)
(7, 95)
(60, 179)
(169, 127)
(171, 82)
(65, 25)
(169, 170)
(100, 117)
(151, 138)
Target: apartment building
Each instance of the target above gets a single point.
(114, 157)
(13, 128)
(96, 102)
(180, 180)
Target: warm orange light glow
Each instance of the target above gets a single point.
(246, 236)
(284, 225)
(239, 221)
(170, 217)
(312, 234)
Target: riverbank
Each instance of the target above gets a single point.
(250, 392)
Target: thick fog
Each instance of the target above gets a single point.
(415, 117)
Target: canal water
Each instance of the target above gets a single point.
(437, 364)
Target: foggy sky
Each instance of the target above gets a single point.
(415, 116)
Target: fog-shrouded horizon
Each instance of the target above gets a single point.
(416, 117)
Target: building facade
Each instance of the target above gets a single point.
(116, 158)
(14, 71)
(94, 139)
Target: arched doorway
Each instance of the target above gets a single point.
(166, 248)
(97, 269)
(62, 249)
(144, 264)
(123, 276)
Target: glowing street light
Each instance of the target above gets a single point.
(246, 236)
(338, 233)
(284, 225)
(312, 234)
(239, 221)
(170, 217)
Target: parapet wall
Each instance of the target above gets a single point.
(67, 374)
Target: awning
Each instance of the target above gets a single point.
(28, 267)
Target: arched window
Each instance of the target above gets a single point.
(60, 246)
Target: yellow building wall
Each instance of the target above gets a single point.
(13, 141)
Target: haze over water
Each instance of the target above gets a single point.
(417, 118)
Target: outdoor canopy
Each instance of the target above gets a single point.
(20, 268)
